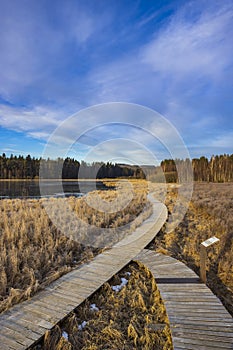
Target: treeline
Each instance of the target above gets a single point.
(20, 167)
(217, 169)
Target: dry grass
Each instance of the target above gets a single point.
(132, 318)
(34, 252)
(210, 213)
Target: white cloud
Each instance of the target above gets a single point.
(37, 122)
(188, 47)
(122, 151)
(222, 140)
(184, 56)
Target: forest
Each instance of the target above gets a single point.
(218, 168)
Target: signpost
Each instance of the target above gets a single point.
(203, 256)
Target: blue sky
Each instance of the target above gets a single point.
(58, 57)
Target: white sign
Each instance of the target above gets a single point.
(210, 241)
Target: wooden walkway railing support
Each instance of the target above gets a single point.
(203, 256)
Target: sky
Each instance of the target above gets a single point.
(60, 57)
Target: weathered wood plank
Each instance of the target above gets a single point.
(12, 334)
(197, 318)
(7, 343)
(204, 335)
(22, 330)
(201, 343)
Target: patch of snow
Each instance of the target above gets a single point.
(65, 335)
(93, 307)
(118, 287)
(82, 325)
(124, 281)
(128, 273)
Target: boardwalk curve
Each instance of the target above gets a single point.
(26, 323)
(198, 320)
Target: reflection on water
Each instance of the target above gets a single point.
(25, 189)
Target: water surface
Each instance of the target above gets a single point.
(31, 189)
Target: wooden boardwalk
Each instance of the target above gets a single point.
(25, 323)
(197, 318)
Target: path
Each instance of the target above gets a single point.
(198, 320)
(25, 323)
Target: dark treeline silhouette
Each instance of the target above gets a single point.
(217, 169)
(20, 167)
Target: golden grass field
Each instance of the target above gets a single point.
(130, 319)
(210, 214)
(34, 252)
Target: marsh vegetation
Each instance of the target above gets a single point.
(34, 251)
(126, 313)
(209, 214)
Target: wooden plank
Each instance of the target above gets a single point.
(12, 334)
(203, 323)
(191, 312)
(200, 343)
(198, 326)
(194, 313)
(87, 276)
(203, 335)
(6, 343)
(227, 335)
(74, 297)
(30, 325)
(22, 330)
(201, 299)
(197, 318)
(36, 314)
(54, 309)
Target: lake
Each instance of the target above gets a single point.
(31, 189)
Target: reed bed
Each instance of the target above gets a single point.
(35, 252)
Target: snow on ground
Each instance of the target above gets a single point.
(93, 307)
(82, 325)
(118, 287)
(65, 335)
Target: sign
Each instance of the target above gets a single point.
(210, 241)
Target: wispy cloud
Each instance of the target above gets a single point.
(37, 122)
(183, 57)
(221, 141)
(122, 151)
(188, 46)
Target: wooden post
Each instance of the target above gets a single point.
(203, 256)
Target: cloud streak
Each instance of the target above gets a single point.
(37, 122)
(198, 47)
